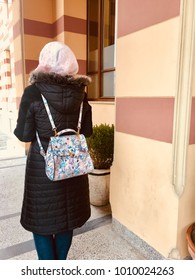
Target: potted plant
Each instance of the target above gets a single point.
(101, 148)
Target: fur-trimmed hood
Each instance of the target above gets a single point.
(56, 79)
(64, 93)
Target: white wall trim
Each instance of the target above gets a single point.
(183, 96)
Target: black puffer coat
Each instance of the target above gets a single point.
(52, 207)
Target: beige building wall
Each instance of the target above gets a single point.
(142, 194)
(103, 112)
(146, 61)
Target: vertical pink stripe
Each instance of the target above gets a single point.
(16, 29)
(18, 67)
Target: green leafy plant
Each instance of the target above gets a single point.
(101, 146)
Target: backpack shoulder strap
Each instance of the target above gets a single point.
(49, 114)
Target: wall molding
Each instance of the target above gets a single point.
(183, 99)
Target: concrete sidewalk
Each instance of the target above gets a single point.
(98, 239)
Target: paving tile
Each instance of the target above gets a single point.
(102, 243)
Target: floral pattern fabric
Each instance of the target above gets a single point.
(67, 156)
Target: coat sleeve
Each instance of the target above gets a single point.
(25, 128)
(86, 125)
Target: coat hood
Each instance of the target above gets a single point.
(53, 78)
(64, 93)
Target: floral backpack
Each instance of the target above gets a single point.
(67, 155)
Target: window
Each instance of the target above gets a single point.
(101, 48)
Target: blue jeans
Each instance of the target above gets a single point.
(53, 247)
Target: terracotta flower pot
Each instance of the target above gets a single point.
(190, 237)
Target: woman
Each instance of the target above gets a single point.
(52, 210)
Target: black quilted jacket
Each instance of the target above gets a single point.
(52, 207)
